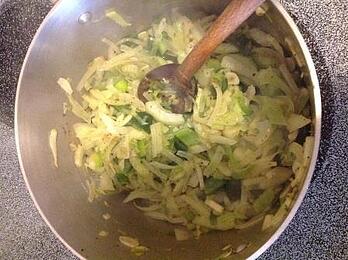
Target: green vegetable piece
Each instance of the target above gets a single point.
(302, 100)
(224, 85)
(238, 171)
(211, 185)
(189, 215)
(226, 221)
(141, 147)
(243, 104)
(162, 48)
(214, 64)
(158, 47)
(213, 219)
(266, 57)
(244, 66)
(127, 166)
(264, 201)
(271, 83)
(275, 115)
(122, 85)
(165, 35)
(242, 173)
(180, 146)
(226, 48)
(122, 176)
(264, 39)
(142, 120)
(97, 159)
(187, 136)
(219, 78)
(273, 110)
(125, 109)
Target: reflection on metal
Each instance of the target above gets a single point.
(85, 18)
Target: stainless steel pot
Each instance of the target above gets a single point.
(63, 46)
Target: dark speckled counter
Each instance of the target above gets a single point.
(319, 229)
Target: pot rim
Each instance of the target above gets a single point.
(317, 133)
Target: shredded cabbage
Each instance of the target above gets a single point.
(158, 112)
(157, 139)
(117, 18)
(65, 85)
(223, 166)
(53, 146)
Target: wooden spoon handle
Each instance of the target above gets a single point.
(232, 17)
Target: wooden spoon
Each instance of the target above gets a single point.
(179, 76)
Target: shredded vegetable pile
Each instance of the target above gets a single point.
(235, 161)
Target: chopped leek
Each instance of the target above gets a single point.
(142, 120)
(212, 185)
(187, 136)
(122, 85)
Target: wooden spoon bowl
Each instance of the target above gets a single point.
(179, 75)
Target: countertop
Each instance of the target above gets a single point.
(319, 229)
